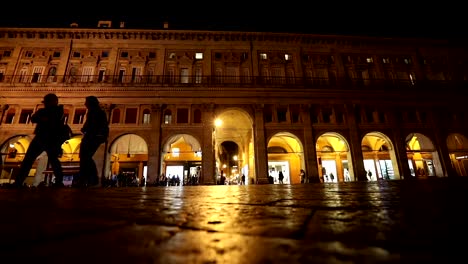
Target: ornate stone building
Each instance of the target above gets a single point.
(198, 104)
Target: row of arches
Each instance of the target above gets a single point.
(236, 151)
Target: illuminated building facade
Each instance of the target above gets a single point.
(198, 104)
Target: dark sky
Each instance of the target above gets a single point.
(378, 18)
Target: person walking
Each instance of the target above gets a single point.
(48, 138)
(280, 177)
(95, 132)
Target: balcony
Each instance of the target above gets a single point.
(228, 81)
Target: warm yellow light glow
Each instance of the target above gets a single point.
(218, 122)
(224, 166)
(235, 157)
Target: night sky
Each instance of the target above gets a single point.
(379, 18)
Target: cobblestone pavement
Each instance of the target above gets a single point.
(388, 222)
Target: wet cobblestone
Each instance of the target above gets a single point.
(383, 222)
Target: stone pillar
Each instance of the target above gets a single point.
(261, 154)
(339, 167)
(310, 154)
(444, 154)
(101, 157)
(154, 149)
(355, 144)
(399, 143)
(207, 174)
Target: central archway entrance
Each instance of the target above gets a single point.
(234, 126)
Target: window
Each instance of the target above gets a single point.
(146, 116)
(28, 54)
(101, 75)
(124, 54)
(369, 60)
(268, 114)
(115, 116)
(218, 56)
(10, 117)
(25, 116)
(167, 116)
(385, 60)
(76, 54)
(263, 56)
(407, 60)
(184, 75)
(37, 72)
(79, 116)
(121, 75)
(172, 55)
(295, 114)
(198, 75)
(326, 115)
(131, 115)
(105, 54)
(23, 75)
(197, 117)
(136, 74)
(6, 53)
(287, 57)
(51, 75)
(56, 54)
(282, 114)
(87, 75)
(198, 56)
(182, 116)
(152, 55)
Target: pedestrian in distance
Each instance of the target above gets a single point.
(95, 132)
(48, 138)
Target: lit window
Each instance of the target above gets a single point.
(407, 60)
(198, 56)
(369, 60)
(263, 56)
(385, 60)
(287, 57)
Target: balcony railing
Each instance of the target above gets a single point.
(237, 81)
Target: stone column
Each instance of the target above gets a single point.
(154, 148)
(310, 154)
(207, 174)
(261, 154)
(444, 154)
(355, 144)
(101, 157)
(399, 143)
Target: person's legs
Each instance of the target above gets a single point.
(88, 170)
(52, 154)
(34, 149)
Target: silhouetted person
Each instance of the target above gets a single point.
(95, 132)
(49, 121)
(280, 177)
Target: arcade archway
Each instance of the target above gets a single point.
(286, 155)
(457, 145)
(235, 125)
(334, 158)
(129, 159)
(181, 161)
(423, 158)
(380, 161)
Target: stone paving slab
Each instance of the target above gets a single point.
(384, 222)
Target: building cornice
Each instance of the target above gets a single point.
(207, 36)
